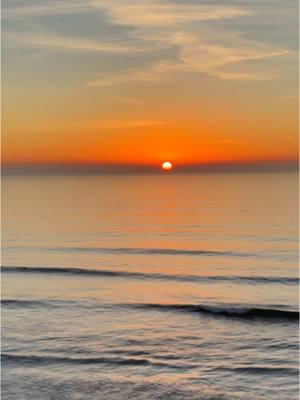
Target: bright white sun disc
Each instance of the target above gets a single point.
(166, 165)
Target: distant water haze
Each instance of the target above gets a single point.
(20, 168)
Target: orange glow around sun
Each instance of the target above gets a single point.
(184, 143)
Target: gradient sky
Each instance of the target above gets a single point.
(142, 81)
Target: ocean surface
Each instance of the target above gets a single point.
(164, 286)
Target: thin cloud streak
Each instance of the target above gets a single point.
(155, 13)
(72, 44)
(127, 100)
(213, 58)
(87, 126)
(230, 142)
(131, 12)
(50, 8)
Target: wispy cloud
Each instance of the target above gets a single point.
(91, 126)
(230, 142)
(123, 124)
(157, 13)
(218, 51)
(72, 43)
(131, 12)
(150, 73)
(127, 100)
(44, 8)
(197, 58)
(197, 51)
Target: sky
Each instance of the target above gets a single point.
(137, 82)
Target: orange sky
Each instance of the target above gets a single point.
(156, 83)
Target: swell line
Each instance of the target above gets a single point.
(259, 370)
(116, 361)
(153, 276)
(33, 303)
(142, 251)
(247, 312)
(225, 311)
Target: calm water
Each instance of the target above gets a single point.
(150, 287)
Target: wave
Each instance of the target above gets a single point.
(143, 251)
(154, 276)
(226, 311)
(116, 361)
(223, 310)
(26, 303)
(46, 360)
(259, 370)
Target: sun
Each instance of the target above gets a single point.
(166, 165)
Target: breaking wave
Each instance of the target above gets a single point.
(222, 310)
(226, 311)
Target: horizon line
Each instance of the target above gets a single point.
(105, 168)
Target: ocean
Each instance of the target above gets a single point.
(155, 286)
